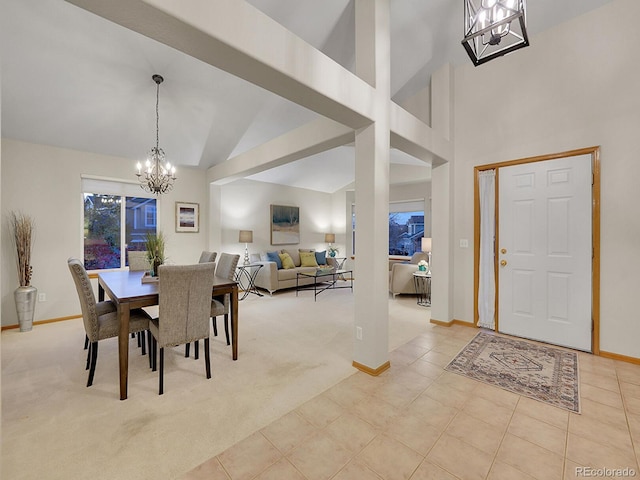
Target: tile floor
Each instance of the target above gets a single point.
(416, 421)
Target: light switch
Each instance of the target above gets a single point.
(464, 243)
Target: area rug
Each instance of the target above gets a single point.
(540, 372)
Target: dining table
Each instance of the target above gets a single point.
(127, 290)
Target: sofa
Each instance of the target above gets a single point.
(272, 278)
(401, 274)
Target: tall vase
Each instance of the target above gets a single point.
(25, 298)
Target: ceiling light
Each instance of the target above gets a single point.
(493, 28)
(159, 175)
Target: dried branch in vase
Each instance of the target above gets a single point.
(23, 227)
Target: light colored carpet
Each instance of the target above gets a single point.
(539, 371)
(290, 350)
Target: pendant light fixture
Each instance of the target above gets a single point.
(159, 175)
(493, 28)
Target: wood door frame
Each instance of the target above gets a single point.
(595, 232)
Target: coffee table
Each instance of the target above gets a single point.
(324, 280)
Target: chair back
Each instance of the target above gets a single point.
(86, 297)
(206, 257)
(184, 303)
(416, 257)
(138, 261)
(227, 264)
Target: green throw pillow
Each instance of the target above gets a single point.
(287, 261)
(308, 259)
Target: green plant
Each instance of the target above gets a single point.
(333, 250)
(155, 249)
(22, 227)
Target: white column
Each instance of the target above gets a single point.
(371, 348)
(442, 200)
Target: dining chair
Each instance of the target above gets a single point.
(138, 261)
(226, 268)
(100, 319)
(184, 293)
(207, 257)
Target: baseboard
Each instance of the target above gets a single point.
(621, 358)
(42, 322)
(452, 322)
(371, 371)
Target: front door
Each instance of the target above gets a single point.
(545, 251)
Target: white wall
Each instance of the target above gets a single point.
(575, 86)
(45, 182)
(246, 206)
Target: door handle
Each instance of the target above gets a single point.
(503, 263)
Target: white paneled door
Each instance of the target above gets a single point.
(545, 250)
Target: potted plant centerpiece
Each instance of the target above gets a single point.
(155, 251)
(333, 251)
(22, 227)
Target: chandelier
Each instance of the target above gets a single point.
(159, 175)
(493, 28)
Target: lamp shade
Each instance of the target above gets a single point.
(426, 244)
(245, 236)
(329, 237)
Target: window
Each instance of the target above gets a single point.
(406, 227)
(406, 230)
(105, 239)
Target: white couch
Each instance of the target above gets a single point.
(272, 279)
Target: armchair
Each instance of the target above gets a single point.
(401, 275)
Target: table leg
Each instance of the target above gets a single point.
(234, 322)
(100, 293)
(123, 348)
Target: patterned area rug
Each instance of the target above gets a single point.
(536, 371)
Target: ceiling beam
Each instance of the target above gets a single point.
(314, 137)
(238, 38)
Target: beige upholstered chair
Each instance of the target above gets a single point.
(206, 257)
(401, 275)
(100, 318)
(185, 305)
(226, 268)
(138, 261)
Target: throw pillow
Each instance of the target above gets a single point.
(295, 256)
(274, 257)
(286, 260)
(308, 259)
(321, 257)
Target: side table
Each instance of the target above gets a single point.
(338, 264)
(246, 278)
(422, 282)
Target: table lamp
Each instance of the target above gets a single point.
(246, 237)
(426, 247)
(330, 238)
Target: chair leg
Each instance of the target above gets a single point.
(139, 341)
(94, 359)
(154, 348)
(226, 327)
(86, 342)
(149, 343)
(215, 326)
(161, 375)
(207, 357)
(133, 335)
(187, 346)
(196, 348)
(88, 356)
(143, 342)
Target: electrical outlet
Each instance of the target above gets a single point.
(359, 333)
(464, 243)
(42, 297)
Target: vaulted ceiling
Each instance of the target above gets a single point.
(75, 80)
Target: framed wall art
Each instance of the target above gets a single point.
(285, 225)
(187, 217)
